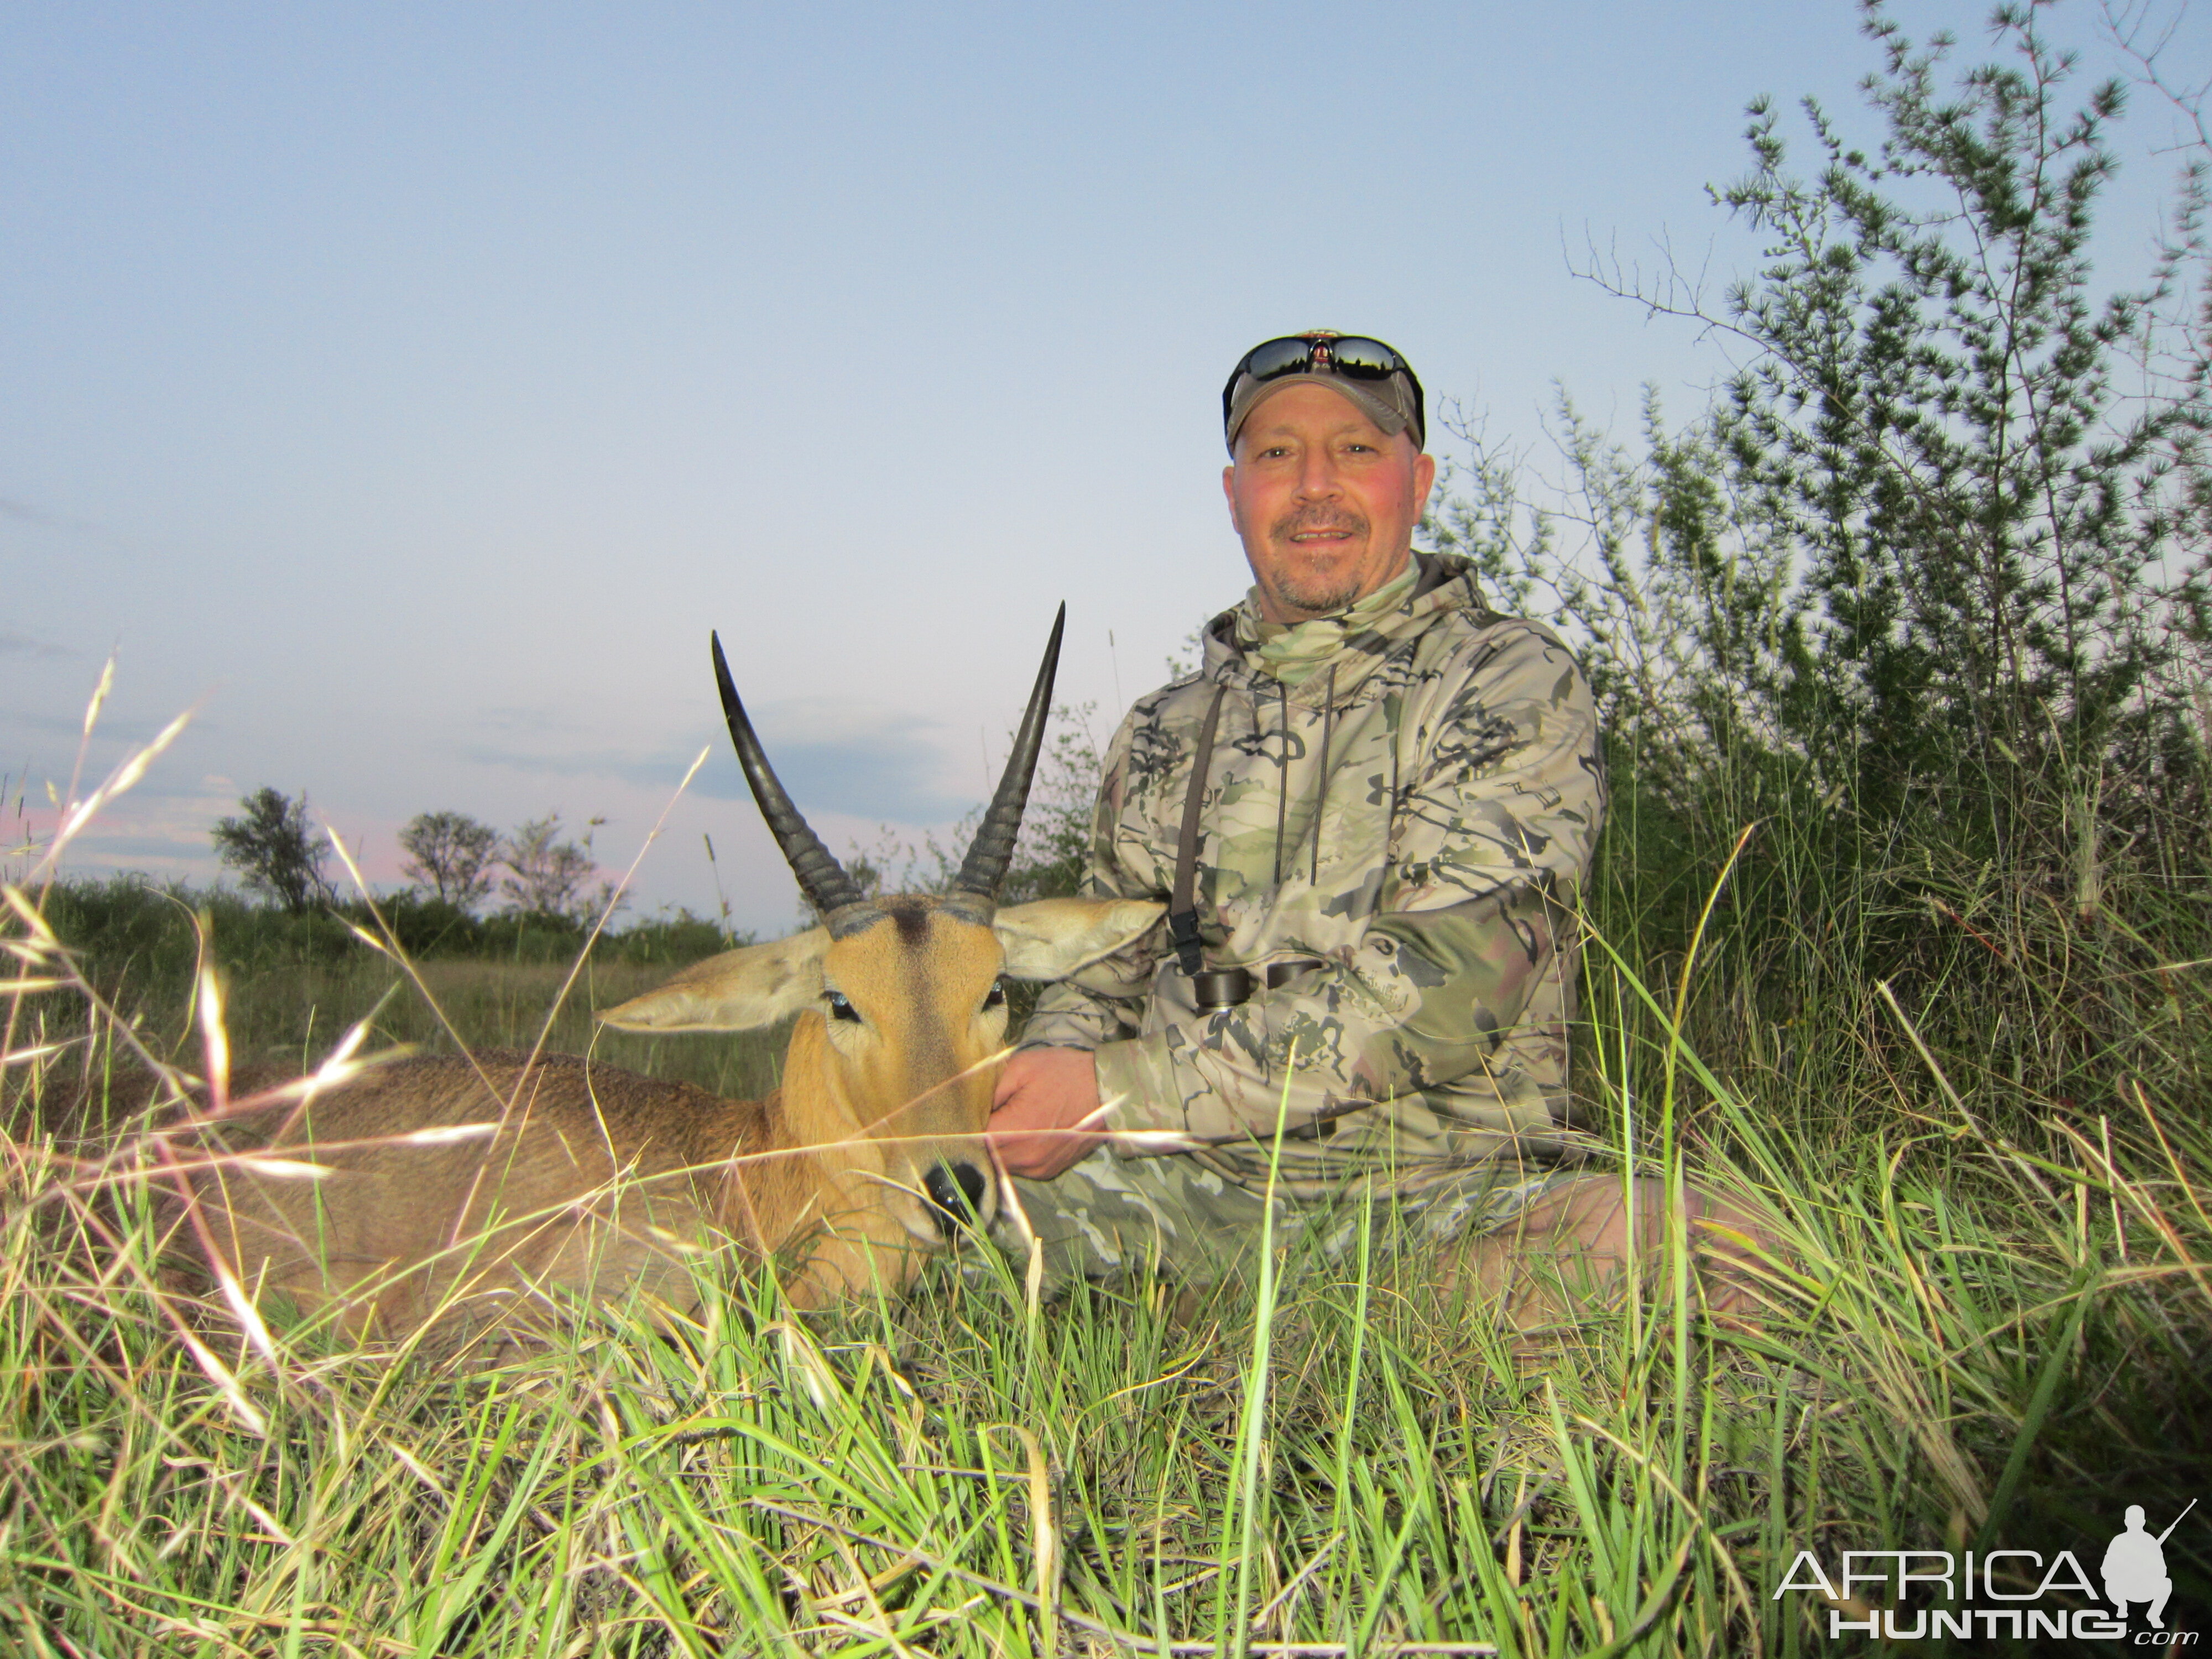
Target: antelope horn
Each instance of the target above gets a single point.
(992, 849)
(821, 877)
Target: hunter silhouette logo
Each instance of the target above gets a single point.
(2134, 1566)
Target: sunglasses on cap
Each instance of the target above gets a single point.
(1353, 355)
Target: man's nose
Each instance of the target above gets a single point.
(1317, 475)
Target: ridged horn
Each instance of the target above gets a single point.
(993, 850)
(821, 877)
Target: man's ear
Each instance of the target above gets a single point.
(736, 991)
(1050, 938)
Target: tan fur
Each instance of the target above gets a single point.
(600, 1180)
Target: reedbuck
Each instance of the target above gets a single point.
(582, 1180)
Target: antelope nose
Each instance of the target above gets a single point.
(956, 1190)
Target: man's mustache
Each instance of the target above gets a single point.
(1291, 524)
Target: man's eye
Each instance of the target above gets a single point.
(841, 1007)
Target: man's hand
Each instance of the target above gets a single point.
(1043, 1093)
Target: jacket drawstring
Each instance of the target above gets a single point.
(1393, 715)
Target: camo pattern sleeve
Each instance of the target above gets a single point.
(1403, 841)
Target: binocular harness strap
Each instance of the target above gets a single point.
(1182, 903)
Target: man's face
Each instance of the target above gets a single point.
(1324, 499)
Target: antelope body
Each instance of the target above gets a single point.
(456, 1189)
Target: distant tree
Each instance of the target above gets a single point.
(549, 877)
(273, 850)
(450, 853)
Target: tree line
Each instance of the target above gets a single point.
(453, 860)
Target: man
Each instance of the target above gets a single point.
(1370, 812)
(2134, 1568)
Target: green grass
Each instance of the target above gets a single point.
(1994, 1334)
(290, 986)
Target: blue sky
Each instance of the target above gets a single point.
(412, 387)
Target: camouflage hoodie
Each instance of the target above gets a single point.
(1411, 821)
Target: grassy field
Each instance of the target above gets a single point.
(1995, 1336)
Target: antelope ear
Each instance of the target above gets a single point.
(1050, 938)
(734, 991)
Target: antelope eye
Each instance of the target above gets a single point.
(996, 996)
(841, 1007)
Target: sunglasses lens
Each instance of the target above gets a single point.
(1353, 355)
(1278, 357)
(1368, 359)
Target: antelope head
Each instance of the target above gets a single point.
(901, 1000)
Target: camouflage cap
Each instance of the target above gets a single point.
(1391, 399)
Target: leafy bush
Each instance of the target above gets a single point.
(1922, 603)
